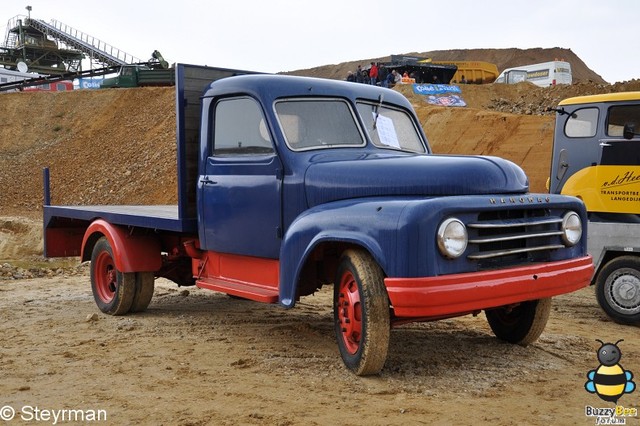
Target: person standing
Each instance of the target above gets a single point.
(373, 73)
(359, 78)
(382, 75)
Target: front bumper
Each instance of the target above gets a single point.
(448, 295)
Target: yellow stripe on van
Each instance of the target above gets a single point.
(605, 97)
(606, 189)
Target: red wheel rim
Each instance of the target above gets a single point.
(349, 312)
(106, 280)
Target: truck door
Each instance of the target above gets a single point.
(239, 194)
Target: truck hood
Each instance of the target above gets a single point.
(331, 179)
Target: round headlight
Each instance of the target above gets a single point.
(571, 229)
(452, 238)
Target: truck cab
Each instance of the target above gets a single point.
(596, 157)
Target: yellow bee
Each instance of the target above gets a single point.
(609, 381)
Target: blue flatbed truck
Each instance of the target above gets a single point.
(286, 184)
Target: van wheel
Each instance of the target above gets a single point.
(112, 290)
(522, 324)
(144, 291)
(618, 289)
(361, 313)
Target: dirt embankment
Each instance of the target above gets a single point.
(102, 147)
(502, 58)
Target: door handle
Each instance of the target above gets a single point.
(206, 181)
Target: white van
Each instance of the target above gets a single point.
(543, 75)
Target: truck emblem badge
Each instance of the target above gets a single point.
(520, 200)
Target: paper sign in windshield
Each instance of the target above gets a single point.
(386, 131)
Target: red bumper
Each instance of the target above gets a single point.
(462, 293)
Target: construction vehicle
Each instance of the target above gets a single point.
(274, 203)
(421, 70)
(153, 73)
(472, 72)
(544, 74)
(596, 157)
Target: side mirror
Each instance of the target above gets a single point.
(629, 131)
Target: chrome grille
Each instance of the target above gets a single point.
(524, 238)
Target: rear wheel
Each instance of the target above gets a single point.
(144, 291)
(112, 290)
(618, 289)
(361, 313)
(521, 324)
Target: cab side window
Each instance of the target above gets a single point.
(239, 128)
(619, 116)
(582, 123)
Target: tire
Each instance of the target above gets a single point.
(361, 313)
(522, 324)
(618, 289)
(144, 291)
(112, 290)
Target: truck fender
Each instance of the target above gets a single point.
(131, 253)
(351, 223)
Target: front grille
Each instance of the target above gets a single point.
(513, 237)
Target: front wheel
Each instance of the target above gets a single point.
(361, 313)
(113, 290)
(521, 324)
(618, 289)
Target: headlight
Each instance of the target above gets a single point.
(452, 238)
(571, 229)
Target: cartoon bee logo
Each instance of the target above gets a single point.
(609, 381)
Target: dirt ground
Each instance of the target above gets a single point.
(196, 357)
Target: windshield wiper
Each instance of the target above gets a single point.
(377, 109)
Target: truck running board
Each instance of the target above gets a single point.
(245, 290)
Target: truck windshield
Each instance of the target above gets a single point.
(318, 123)
(390, 128)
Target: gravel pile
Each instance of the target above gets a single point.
(12, 272)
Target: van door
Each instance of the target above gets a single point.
(616, 150)
(576, 144)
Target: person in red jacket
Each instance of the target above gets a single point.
(373, 73)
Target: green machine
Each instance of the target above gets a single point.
(152, 73)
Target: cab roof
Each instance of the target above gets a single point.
(605, 97)
(270, 88)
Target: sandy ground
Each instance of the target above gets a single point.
(197, 357)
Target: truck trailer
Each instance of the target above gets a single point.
(288, 184)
